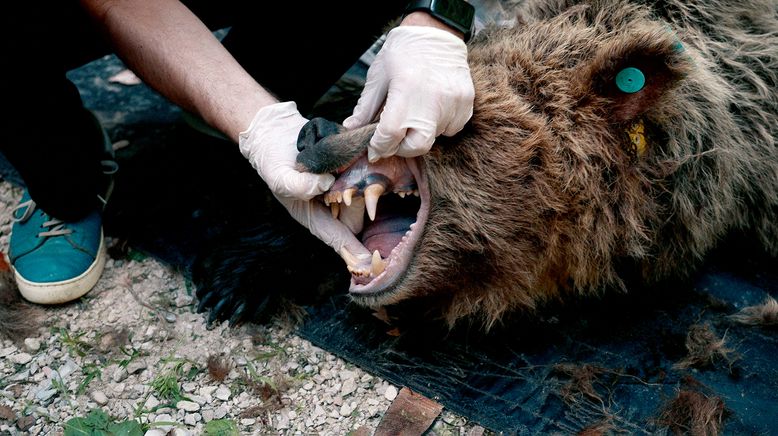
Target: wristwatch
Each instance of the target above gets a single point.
(457, 14)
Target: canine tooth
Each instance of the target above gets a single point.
(377, 265)
(327, 199)
(335, 208)
(347, 194)
(372, 193)
(401, 194)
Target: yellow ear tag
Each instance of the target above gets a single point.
(637, 135)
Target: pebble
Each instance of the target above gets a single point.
(222, 393)
(151, 402)
(99, 398)
(391, 393)
(188, 406)
(45, 394)
(192, 418)
(247, 421)
(347, 408)
(7, 351)
(207, 415)
(207, 391)
(219, 412)
(135, 367)
(20, 359)
(32, 345)
(349, 386)
(154, 432)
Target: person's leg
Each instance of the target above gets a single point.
(47, 134)
(56, 145)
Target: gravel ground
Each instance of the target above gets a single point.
(135, 348)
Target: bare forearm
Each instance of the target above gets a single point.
(175, 53)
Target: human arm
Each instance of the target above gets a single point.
(174, 52)
(420, 83)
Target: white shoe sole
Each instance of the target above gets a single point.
(66, 290)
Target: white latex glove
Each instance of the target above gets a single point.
(270, 144)
(422, 75)
(319, 221)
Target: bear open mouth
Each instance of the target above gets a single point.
(385, 204)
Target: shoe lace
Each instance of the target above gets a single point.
(55, 227)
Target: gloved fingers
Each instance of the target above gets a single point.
(416, 143)
(319, 221)
(461, 116)
(371, 99)
(387, 136)
(304, 186)
(333, 232)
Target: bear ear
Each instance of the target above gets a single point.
(631, 73)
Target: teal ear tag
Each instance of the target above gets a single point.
(630, 80)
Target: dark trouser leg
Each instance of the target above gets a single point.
(329, 43)
(47, 134)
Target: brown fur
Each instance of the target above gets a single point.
(765, 314)
(705, 348)
(693, 413)
(543, 194)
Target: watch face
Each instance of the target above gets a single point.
(457, 10)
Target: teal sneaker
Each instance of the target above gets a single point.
(54, 261)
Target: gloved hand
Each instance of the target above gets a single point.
(423, 76)
(318, 219)
(270, 144)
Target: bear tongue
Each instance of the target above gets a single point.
(385, 234)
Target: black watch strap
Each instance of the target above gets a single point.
(457, 14)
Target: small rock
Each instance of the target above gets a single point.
(247, 421)
(151, 402)
(367, 378)
(207, 391)
(25, 422)
(20, 359)
(391, 393)
(241, 361)
(183, 300)
(32, 345)
(179, 432)
(7, 413)
(192, 418)
(119, 375)
(308, 386)
(154, 432)
(219, 412)
(347, 408)
(349, 386)
(222, 393)
(188, 406)
(44, 395)
(99, 398)
(207, 415)
(318, 411)
(135, 367)
(189, 386)
(283, 421)
(199, 399)
(169, 317)
(7, 351)
(347, 375)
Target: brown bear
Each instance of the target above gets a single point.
(609, 139)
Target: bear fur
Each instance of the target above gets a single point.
(563, 185)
